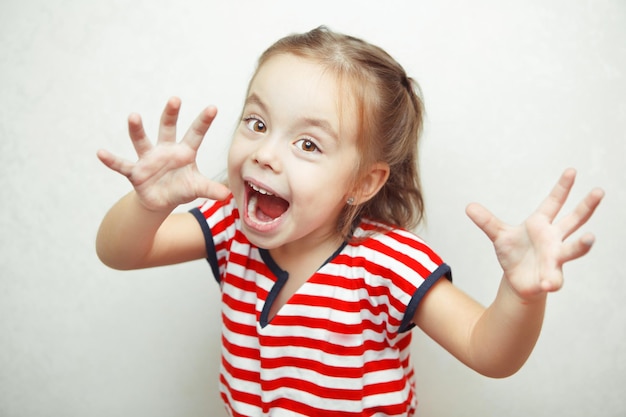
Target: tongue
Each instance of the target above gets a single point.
(271, 206)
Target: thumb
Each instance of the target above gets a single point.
(114, 162)
(206, 188)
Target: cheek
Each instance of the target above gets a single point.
(233, 168)
(326, 186)
(235, 155)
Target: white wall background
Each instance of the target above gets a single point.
(515, 92)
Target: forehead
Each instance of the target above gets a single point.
(303, 87)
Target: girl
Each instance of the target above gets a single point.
(321, 280)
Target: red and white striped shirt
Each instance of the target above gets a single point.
(340, 345)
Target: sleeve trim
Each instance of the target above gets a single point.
(208, 241)
(407, 321)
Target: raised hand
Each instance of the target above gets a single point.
(532, 254)
(166, 175)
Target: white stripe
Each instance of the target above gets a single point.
(292, 308)
(241, 362)
(319, 334)
(310, 375)
(240, 407)
(346, 294)
(237, 384)
(338, 405)
(328, 359)
(281, 412)
(334, 382)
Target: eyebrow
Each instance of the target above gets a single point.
(255, 99)
(323, 124)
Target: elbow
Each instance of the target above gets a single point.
(501, 369)
(112, 259)
(500, 374)
(107, 260)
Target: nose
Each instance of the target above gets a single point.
(267, 154)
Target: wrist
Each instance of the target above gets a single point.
(149, 209)
(527, 297)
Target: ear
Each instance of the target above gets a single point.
(369, 185)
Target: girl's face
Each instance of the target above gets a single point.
(292, 160)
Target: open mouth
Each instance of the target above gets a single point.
(263, 206)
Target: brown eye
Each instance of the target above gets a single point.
(259, 126)
(255, 124)
(307, 145)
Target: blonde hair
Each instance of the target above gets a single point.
(390, 111)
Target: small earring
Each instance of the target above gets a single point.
(350, 201)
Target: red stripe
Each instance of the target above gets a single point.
(249, 263)
(412, 242)
(324, 347)
(319, 323)
(240, 397)
(221, 226)
(313, 365)
(374, 292)
(333, 371)
(315, 389)
(404, 342)
(398, 256)
(385, 272)
(306, 409)
(239, 373)
(330, 302)
(238, 305)
(240, 283)
(403, 409)
(209, 208)
(239, 328)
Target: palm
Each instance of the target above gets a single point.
(166, 175)
(532, 254)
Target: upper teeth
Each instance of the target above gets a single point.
(259, 190)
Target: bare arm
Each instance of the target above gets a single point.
(496, 341)
(140, 231)
(131, 237)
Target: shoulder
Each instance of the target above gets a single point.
(219, 220)
(385, 256)
(215, 213)
(220, 208)
(394, 245)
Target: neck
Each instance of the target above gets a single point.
(306, 254)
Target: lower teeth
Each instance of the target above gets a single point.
(256, 214)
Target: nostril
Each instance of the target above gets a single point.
(267, 158)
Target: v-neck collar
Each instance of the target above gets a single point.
(281, 278)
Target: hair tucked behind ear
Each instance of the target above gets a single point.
(390, 112)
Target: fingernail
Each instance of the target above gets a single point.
(588, 240)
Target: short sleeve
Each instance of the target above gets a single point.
(218, 221)
(406, 267)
